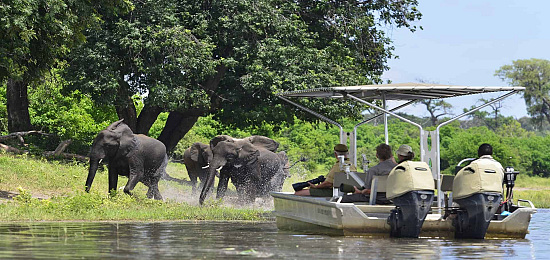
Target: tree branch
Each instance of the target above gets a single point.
(19, 135)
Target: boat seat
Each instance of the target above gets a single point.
(446, 182)
(446, 188)
(378, 184)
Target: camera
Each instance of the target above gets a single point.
(301, 185)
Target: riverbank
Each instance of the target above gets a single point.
(39, 190)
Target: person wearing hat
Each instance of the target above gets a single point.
(324, 189)
(384, 167)
(404, 153)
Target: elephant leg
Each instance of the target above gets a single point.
(113, 179)
(133, 179)
(154, 191)
(193, 178)
(222, 186)
(149, 193)
(245, 190)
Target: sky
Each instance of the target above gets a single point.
(463, 42)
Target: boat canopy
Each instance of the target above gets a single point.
(397, 91)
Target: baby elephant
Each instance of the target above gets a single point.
(139, 157)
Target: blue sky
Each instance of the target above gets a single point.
(464, 42)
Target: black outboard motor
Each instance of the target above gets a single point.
(410, 186)
(477, 189)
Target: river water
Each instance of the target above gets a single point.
(237, 240)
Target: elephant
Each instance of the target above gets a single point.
(139, 157)
(251, 163)
(196, 159)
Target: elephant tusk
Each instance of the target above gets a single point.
(100, 160)
(205, 167)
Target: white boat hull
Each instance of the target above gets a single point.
(318, 215)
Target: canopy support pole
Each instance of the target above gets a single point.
(354, 156)
(396, 115)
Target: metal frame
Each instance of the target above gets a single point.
(354, 157)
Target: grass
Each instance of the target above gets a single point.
(55, 191)
(541, 198)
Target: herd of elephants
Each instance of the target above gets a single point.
(253, 163)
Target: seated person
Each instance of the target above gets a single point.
(324, 189)
(404, 153)
(384, 167)
(485, 152)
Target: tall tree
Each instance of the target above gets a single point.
(229, 57)
(534, 75)
(34, 34)
(437, 108)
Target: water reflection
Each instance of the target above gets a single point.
(253, 240)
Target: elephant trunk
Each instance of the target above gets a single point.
(94, 163)
(210, 181)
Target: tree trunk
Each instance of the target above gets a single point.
(125, 108)
(177, 125)
(18, 106)
(544, 111)
(147, 117)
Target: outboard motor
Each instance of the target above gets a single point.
(477, 189)
(410, 186)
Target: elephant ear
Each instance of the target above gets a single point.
(265, 142)
(128, 141)
(220, 138)
(249, 153)
(115, 125)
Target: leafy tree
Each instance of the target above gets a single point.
(493, 120)
(529, 124)
(534, 75)
(34, 34)
(229, 57)
(70, 116)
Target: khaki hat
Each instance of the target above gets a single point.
(404, 150)
(341, 148)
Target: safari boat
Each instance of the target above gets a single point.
(423, 204)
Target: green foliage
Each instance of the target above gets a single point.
(3, 110)
(534, 75)
(512, 145)
(35, 33)
(148, 50)
(230, 57)
(68, 116)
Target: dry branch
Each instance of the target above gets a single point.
(10, 149)
(19, 135)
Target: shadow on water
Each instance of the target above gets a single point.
(207, 239)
